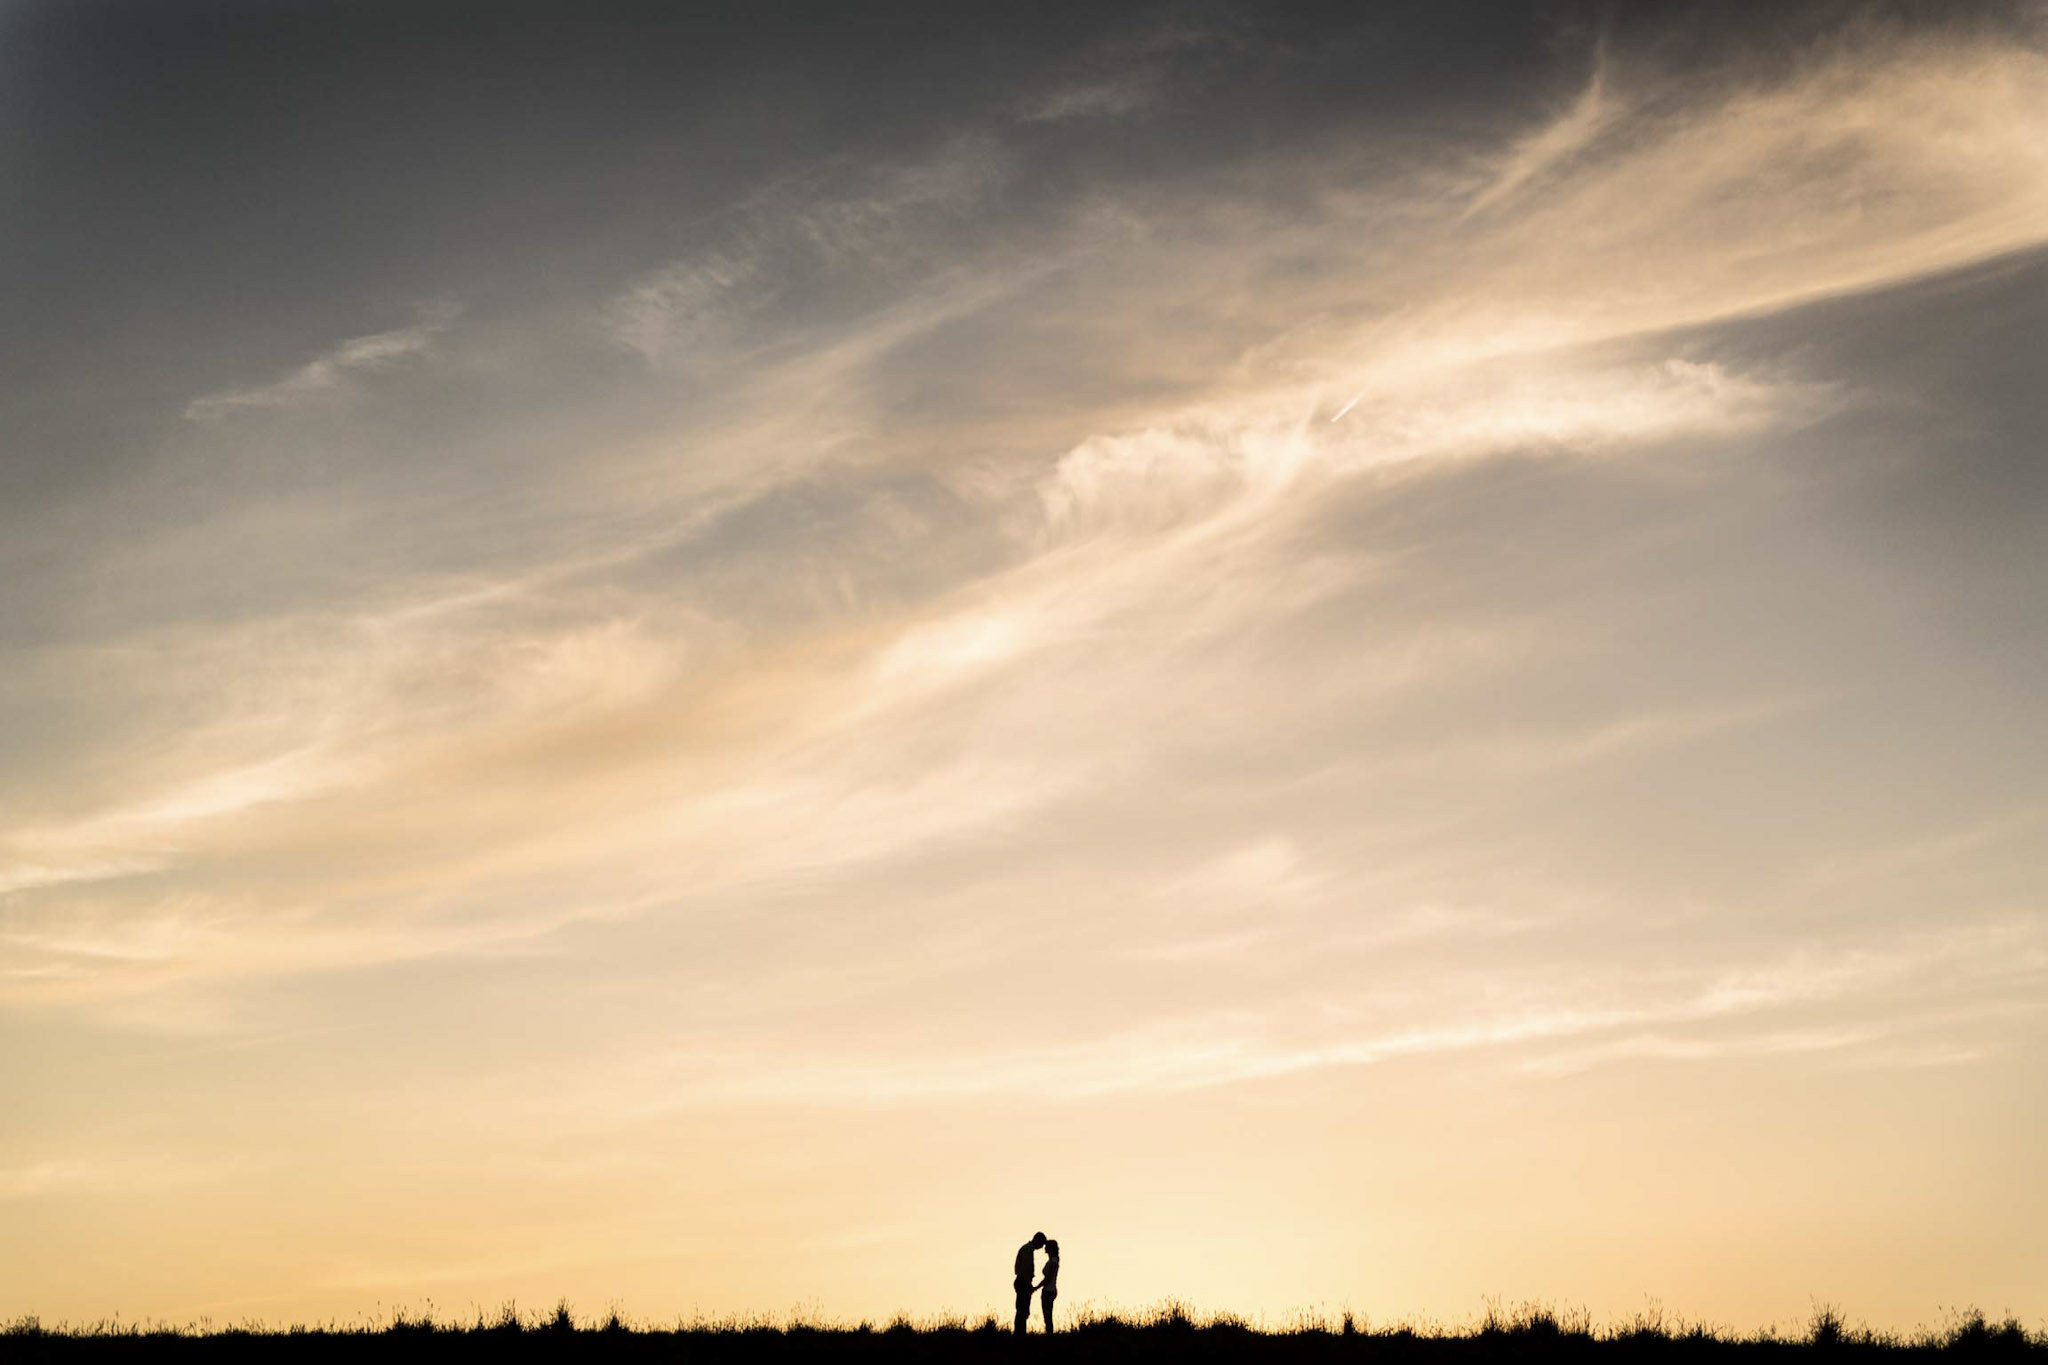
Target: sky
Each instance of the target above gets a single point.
(717, 659)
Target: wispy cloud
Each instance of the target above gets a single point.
(1134, 73)
(682, 304)
(806, 235)
(1550, 147)
(116, 1174)
(1534, 1023)
(1128, 557)
(332, 370)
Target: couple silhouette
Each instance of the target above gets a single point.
(1048, 1288)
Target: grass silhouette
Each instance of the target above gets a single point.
(1173, 1331)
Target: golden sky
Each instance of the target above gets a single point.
(1349, 661)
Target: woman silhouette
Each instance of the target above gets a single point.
(1049, 1287)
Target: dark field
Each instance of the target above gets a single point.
(1168, 1334)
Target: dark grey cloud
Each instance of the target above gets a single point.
(202, 193)
(205, 199)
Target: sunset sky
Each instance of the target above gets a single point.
(720, 658)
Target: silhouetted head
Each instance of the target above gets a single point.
(1052, 1251)
(1037, 1239)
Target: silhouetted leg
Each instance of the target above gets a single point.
(1023, 1310)
(1046, 1305)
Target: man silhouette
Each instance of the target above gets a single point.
(1027, 1267)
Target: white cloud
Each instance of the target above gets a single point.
(776, 247)
(1264, 874)
(698, 749)
(683, 304)
(1130, 74)
(112, 1174)
(1591, 114)
(331, 371)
